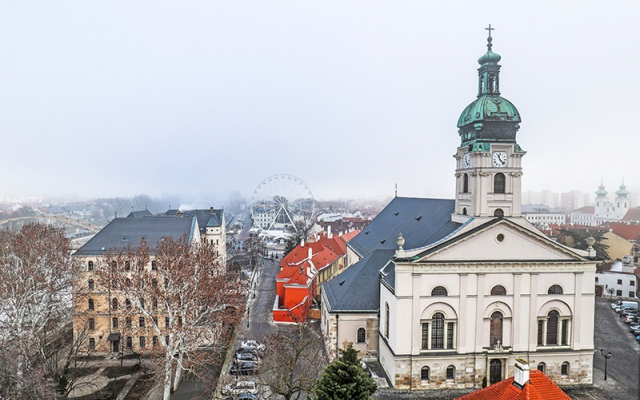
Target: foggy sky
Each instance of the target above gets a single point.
(199, 98)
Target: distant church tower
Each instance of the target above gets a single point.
(621, 201)
(489, 161)
(607, 210)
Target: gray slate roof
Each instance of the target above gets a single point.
(421, 221)
(123, 231)
(206, 218)
(140, 214)
(357, 289)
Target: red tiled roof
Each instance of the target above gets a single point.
(350, 235)
(626, 231)
(632, 215)
(586, 209)
(539, 387)
(299, 253)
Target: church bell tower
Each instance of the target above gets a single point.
(489, 161)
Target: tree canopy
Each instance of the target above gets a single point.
(345, 379)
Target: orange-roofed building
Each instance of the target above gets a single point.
(302, 271)
(524, 385)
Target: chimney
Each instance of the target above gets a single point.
(310, 253)
(521, 373)
(211, 209)
(329, 235)
(302, 242)
(179, 214)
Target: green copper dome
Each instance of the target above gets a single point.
(489, 58)
(623, 190)
(601, 192)
(489, 108)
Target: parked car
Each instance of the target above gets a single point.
(240, 387)
(243, 368)
(628, 311)
(247, 357)
(616, 304)
(254, 344)
(635, 329)
(631, 318)
(250, 350)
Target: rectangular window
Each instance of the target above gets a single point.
(632, 294)
(619, 293)
(154, 341)
(540, 333)
(450, 335)
(92, 343)
(565, 332)
(596, 279)
(425, 336)
(92, 323)
(114, 322)
(632, 283)
(619, 281)
(141, 322)
(142, 342)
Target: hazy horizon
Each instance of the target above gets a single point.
(201, 98)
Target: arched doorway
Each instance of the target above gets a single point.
(495, 371)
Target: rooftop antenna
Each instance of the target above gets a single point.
(396, 190)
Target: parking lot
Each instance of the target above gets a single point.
(623, 372)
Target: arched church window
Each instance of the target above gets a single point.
(424, 373)
(564, 369)
(464, 211)
(498, 213)
(555, 289)
(439, 291)
(451, 372)
(495, 330)
(90, 266)
(498, 290)
(465, 183)
(361, 335)
(499, 182)
(552, 327)
(542, 367)
(386, 322)
(437, 331)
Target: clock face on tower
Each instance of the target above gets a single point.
(500, 159)
(466, 161)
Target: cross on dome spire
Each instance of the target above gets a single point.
(489, 39)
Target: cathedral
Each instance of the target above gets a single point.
(449, 293)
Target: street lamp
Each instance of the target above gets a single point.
(606, 356)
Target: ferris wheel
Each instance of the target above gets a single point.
(282, 202)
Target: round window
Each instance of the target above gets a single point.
(500, 238)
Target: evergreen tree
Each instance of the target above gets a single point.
(345, 379)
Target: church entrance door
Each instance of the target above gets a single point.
(495, 371)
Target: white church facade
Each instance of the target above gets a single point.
(449, 293)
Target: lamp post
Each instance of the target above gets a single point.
(606, 356)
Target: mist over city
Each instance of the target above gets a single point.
(199, 99)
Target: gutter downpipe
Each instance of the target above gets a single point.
(337, 339)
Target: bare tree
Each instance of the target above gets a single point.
(178, 295)
(36, 272)
(293, 361)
